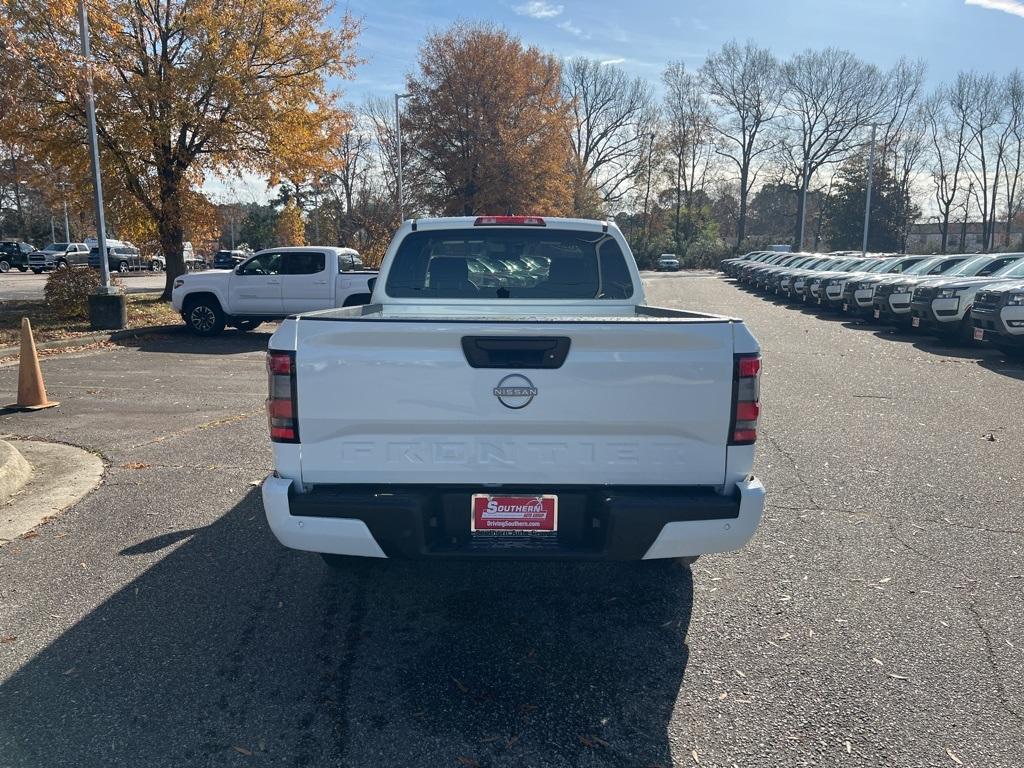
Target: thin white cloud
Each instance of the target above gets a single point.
(1016, 7)
(609, 62)
(539, 9)
(572, 29)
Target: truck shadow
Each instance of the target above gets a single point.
(181, 342)
(231, 650)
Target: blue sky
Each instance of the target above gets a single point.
(644, 34)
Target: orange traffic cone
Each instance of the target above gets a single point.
(31, 392)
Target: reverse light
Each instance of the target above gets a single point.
(746, 396)
(282, 406)
(509, 221)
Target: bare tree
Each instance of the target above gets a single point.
(1012, 165)
(983, 114)
(948, 138)
(608, 114)
(746, 85)
(830, 96)
(686, 138)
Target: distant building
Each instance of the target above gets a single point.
(926, 237)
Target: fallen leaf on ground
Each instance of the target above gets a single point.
(897, 677)
(136, 465)
(242, 750)
(460, 686)
(468, 761)
(696, 757)
(849, 747)
(8, 638)
(30, 535)
(953, 757)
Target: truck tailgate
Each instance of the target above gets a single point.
(398, 402)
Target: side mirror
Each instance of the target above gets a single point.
(371, 283)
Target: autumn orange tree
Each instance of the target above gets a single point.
(289, 228)
(487, 120)
(184, 88)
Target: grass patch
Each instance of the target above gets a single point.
(144, 309)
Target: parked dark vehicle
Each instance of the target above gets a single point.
(14, 255)
(120, 258)
(228, 259)
(58, 256)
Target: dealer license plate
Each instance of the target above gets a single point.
(979, 334)
(915, 322)
(878, 313)
(514, 514)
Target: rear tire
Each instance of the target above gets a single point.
(122, 267)
(23, 269)
(247, 325)
(61, 264)
(37, 271)
(5, 266)
(204, 317)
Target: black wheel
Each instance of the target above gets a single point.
(37, 271)
(5, 265)
(23, 269)
(204, 317)
(247, 325)
(965, 333)
(122, 267)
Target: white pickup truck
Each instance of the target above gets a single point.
(556, 416)
(270, 285)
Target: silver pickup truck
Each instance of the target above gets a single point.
(509, 393)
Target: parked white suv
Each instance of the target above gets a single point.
(668, 262)
(944, 306)
(557, 417)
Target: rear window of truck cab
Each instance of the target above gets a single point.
(509, 263)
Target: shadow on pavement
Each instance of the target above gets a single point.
(231, 342)
(233, 651)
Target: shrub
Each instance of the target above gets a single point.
(67, 291)
(706, 254)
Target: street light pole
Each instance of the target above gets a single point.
(867, 204)
(67, 229)
(398, 133)
(90, 109)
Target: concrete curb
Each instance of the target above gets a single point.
(61, 476)
(15, 471)
(92, 338)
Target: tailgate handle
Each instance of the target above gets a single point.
(512, 352)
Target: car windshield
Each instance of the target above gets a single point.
(882, 266)
(56, 247)
(1011, 270)
(434, 264)
(922, 267)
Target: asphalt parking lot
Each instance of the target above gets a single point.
(26, 286)
(876, 619)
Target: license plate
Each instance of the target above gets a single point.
(979, 334)
(915, 322)
(514, 514)
(878, 314)
(846, 307)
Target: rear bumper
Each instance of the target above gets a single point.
(595, 523)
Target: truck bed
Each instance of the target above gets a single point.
(510, 314)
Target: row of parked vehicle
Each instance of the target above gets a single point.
(121, 257)
(967, 297)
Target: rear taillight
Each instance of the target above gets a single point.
(282, 408)
(746, 402)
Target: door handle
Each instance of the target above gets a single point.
(320, 282)
(273, 282)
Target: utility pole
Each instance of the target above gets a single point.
(647, 194)
(867, 204)
(398, 134)
(90, 108)
(67, 229)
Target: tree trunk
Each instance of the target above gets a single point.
(797, 245)
(170, 229)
